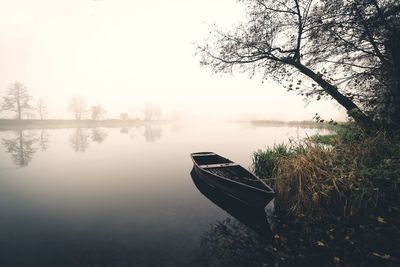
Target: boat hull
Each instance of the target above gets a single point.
(249, 195)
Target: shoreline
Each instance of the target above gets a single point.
(10, 124)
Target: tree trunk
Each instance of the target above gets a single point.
(394, 45)
(352, 109)
(19, 107)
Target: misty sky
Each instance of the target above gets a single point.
(124, 54)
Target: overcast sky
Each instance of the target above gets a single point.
(124, 54)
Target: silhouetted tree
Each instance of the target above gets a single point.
(17, 100)
(78, 108)
(151, 112)
(21, 147)
(42, 109)
(79, 140)
(346, 50)
(97, 112)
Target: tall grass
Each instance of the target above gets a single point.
(266, 161)
(355, 175)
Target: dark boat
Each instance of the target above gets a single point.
(232, 179)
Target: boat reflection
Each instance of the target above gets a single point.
(253, 218)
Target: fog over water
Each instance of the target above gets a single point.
(124, 54)
(115, 196)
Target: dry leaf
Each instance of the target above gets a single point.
(381, 219)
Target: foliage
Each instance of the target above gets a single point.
(17, 100)
(345, 50)
(344, 133)
(327, 139)
(265, 161)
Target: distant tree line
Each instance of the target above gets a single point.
(19, 101)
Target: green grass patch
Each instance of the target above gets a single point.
(266, 161)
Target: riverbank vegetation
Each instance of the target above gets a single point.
(337, 197)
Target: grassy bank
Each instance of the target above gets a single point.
(338, 195)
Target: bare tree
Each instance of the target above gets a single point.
(97, 112)
(77, 107)
(42, 109)
(347, 50)
(17, 100)
(151, 112)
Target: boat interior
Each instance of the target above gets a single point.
(238, 174)
(208, 159)
(223, 167)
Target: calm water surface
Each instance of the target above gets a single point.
(120, 196)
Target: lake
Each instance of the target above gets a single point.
(122, 196)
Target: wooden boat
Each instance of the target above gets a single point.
(254, 218)
(232, 179)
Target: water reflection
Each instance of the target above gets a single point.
(44, 140)
(80, 139)
(253, 218)
(124, 130)
(152, 133)
(23, 145)
(99, 135)
(234, 241)
(114, 208)
(231, 243)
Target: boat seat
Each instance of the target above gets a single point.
(218, 165)
(204, 155)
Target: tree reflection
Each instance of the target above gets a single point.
(22, 146)
(99, 135)
(152, 133)
(44, 140)
(80, 140)
(124, 130)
